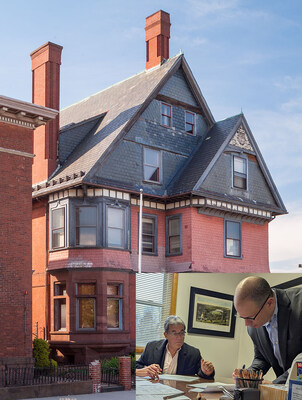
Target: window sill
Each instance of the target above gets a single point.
(152, 182)
(150, 254)
(173, 255)
(233, 257)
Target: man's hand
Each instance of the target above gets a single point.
(151, 370)
(207, 367)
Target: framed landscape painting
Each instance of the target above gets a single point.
(211, 313)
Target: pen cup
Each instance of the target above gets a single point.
(248, 383)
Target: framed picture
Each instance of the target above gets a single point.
(211, 313)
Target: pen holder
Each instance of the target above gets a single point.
(248, 383)
(246, 394)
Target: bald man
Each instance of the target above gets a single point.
(274, 322)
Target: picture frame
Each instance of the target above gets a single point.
(211, 313)
(295, 390)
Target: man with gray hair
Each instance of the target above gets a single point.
(273, 320)
(172, 356)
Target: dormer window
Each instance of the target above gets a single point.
(190, 122)
(240, 173)
(152, 161)
(166, 115)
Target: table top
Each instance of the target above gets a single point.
(184, 387)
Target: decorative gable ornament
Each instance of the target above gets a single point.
(240, 139)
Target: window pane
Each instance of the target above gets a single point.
(115, 237)
(60, 314)
(189, 118)
(233, 247)
(174, 244)
(113, 313)
(151, 173)
(115, 218)
(58, 238)
(86, 288)
(239, 182)
(151, 157)
(113, 290)
(165, 120)
(148, 226)
(86, 236)
(148, 244)
(233, 230)
(58, 218)
(86, 310)
(86, 216)
(174, 226)
(240, 165)
(148, 323)
(60, 289)
(165, 109)
(189, 128)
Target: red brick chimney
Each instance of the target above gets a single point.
(157, 38)
(46, 61)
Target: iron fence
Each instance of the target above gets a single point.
(28, 376)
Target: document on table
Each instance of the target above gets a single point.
(211, 387)
(182, 378)
(154, 388)
(158, 397)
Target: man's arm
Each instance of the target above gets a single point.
(205, 368)
(259, 362)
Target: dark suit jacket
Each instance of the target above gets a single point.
(289, 332)
(189, 358)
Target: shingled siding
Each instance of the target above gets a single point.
(125, 165)
(219, 180)
(177, 88)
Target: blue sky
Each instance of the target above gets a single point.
(246, 55)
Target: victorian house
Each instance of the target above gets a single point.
(208, 196)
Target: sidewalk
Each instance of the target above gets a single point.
(117, 395)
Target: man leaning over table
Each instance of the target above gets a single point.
(172, 356)
(273, 318)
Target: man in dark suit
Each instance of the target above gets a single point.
(273, 319)
(172, 355)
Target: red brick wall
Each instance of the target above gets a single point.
(208, 246)
(15, 244)
(202, 245)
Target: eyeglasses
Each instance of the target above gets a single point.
(253, 318)
(175, 334)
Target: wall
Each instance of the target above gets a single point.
(225, 353)
(15, 245)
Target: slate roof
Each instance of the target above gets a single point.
(198, 164)
(117, 105)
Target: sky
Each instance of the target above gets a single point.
(246, 55)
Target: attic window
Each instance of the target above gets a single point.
(152, 163)
(190, 122)
(240, 172)
(166, 115)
